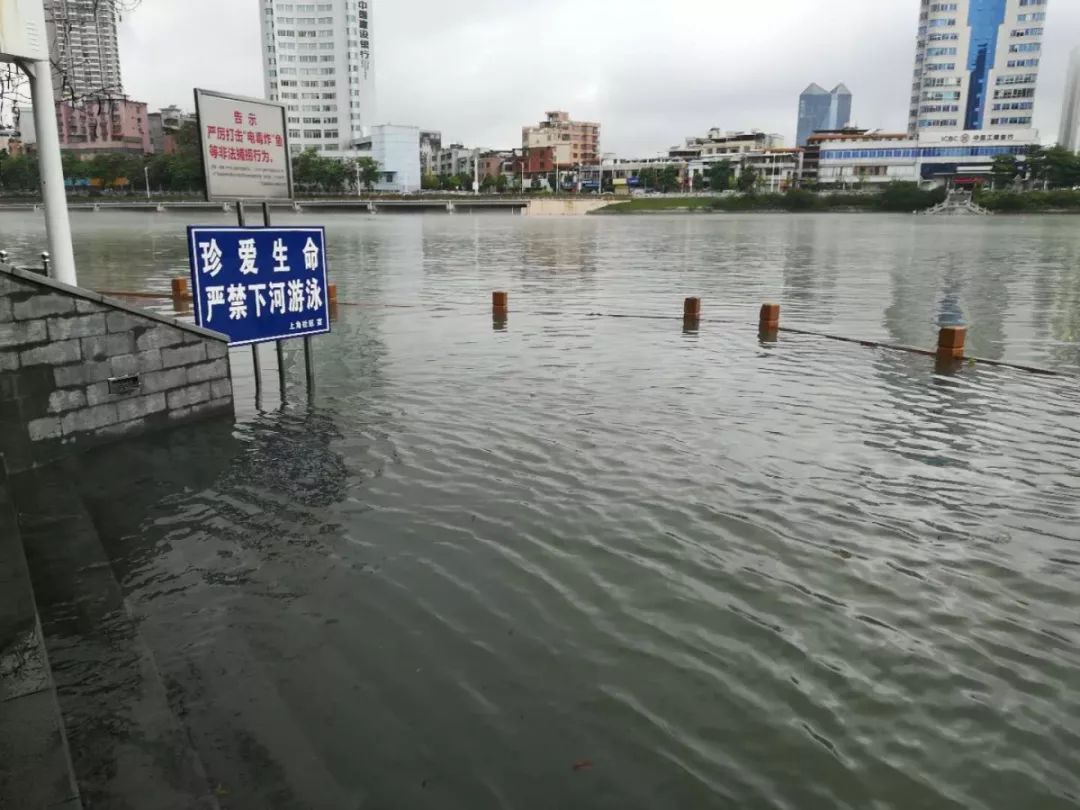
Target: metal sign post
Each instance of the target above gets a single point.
(280, 344)
(256, 365)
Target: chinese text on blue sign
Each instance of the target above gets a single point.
(259, 284)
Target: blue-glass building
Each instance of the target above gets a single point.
(821, 109)
(976, 65)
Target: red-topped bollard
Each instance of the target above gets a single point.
(770, 318)
(951, 341)
(180, 288)
(500, 309)
(692, 309)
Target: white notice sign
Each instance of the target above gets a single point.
(22, 31)
(245, 147)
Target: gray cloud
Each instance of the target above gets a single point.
(651, 73)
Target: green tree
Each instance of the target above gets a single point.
(447, 182)
(748, 180)
(1035, 165)
(667, 179)
(501, 183)
(72, 165)
(19, 173)
(907, 197)
(487, 184)
(314, 172)
(369, 171)
(648, 178)
(464, 181)
(720, 174)
(1004, 169)
(429, 182)
(1062, 167)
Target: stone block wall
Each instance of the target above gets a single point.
(77, 369)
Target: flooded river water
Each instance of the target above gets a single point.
(593, 562)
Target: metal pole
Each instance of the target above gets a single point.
(255, 362)
(57, 223)
(279, 345)
(309, 366)
(146, 173)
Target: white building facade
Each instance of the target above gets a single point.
(929, 159)
(319, 61)
(976, 65)
(397, 151)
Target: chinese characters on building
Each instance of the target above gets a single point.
(365, 41)
(259, 284)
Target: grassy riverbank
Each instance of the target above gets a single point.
(897, 197)
(1030, 202)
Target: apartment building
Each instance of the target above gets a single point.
(574, 142)
(318, 60)
(976, 65)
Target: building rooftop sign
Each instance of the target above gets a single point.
(245, 147)
(22, 31)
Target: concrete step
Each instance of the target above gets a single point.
(127, 747)
(35, 767)
(247, 713)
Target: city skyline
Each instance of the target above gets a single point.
(431, 75)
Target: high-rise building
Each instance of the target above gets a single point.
(574, 142)
(83, 49)
(1069, 135)
(821, 109)
(318, 60)
(976, 65)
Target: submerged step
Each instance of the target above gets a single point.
(127, 748)
(35, 769)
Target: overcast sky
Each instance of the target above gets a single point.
(650, 71)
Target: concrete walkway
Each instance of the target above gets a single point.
(127, 748)
(35, 768)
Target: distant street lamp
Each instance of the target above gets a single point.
(146, 174)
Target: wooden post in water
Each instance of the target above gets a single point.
(691, 315)
(500, 309)
(332, 301)
(951, 340)
(769, 323)
(950, 350)
(180, 288)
